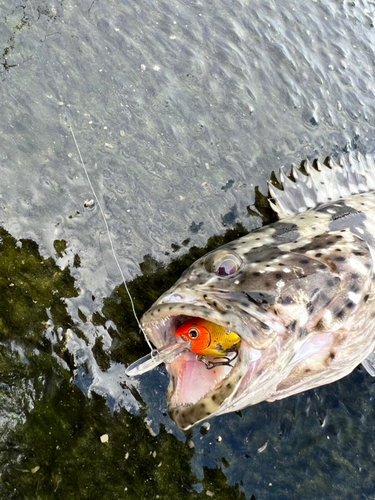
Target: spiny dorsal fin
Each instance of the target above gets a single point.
(354, 174)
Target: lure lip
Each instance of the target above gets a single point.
(157, 356)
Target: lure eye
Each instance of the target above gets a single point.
(193, 334)
(226, 266)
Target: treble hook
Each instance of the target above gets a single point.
(213, 364)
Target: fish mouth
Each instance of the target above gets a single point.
(195, 393)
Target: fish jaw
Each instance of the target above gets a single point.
(196, 393)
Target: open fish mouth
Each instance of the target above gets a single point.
(195, 392)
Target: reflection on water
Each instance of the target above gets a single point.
(181, 111)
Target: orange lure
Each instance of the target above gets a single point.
(207, 338)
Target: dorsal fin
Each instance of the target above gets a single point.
(354, 174)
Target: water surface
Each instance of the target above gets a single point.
(181, 112)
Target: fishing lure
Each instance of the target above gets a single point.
(197, 335)
(209, 339)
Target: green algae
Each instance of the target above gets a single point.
(52, 442)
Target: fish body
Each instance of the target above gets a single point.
(299, 293)
(208, 339)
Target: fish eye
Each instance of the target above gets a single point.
(193, 334)
(226, 265)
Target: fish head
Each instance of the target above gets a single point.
(277, 298)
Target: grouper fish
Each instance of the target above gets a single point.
(300, 294)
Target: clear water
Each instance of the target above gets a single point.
(181, 111)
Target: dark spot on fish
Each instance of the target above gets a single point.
(339, 313)
(321, 266)
(330, 283)
(292, 325)
(278, 276)
(257, 261)
(349, 304)
(355, 289)
(313, 228)
(309, 307)
(307, 370)
(229, 386)
(268, 265)
(340, 259)
(301, 333)
(301, 275)
(256, 274)
(182, 307)
(286, 300)
(368, 265)
(228, 307)
(354, 276)
(283, 230)
(332, 355)
(205, 296)
(159, 310)
(338, 236)
(213, 397)
(318, 254)
(281, 264)
(343, 211)
(365, 298)
(257, 239)
(358, 253)
(267, 284)
(170, 308)
(304, 261)
(338, 249)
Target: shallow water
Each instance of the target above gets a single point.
(180, 112)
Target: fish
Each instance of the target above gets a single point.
(299, 293)
(209, 340)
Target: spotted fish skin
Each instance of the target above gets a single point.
(302, 300)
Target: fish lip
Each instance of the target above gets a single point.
(159, 324)
(186, 415)
(173, 308)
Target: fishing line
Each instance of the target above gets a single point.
(91, 186)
